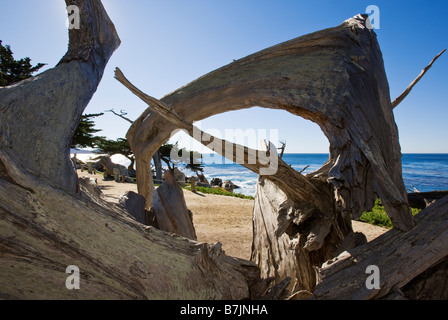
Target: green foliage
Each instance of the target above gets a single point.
(84, 135)
(223, 192)
(194, 162)
(165, 154)
(118, 146)
(379, 217)
(11, 70)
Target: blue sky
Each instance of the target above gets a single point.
(166, 44)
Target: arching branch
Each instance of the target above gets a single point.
(288, 179)
(48, 221)
(302, 76)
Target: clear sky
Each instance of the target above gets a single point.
(166, 44)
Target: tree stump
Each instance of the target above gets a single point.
(116, 173)
(90, 167)
(193, 184)
(171, 210)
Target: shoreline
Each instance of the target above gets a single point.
(219, 218)
(426, 171)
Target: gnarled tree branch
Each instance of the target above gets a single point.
(402, 96)
(311, 77)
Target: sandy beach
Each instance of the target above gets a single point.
(219, 218)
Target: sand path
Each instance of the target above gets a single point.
(220, 218)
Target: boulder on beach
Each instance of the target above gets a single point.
(216, 182)
(109, 167)
(180, 177)
(228, 185)
(202, 184)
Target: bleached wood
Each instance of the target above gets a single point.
(333, 77)
(399, 256)
(171, 210)
(39, 115)
(48, 223)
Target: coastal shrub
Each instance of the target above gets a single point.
(379, 217)
(223, 192)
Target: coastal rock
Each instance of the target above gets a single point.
(216, 182)
(228, 185)
(180, 177)
(202, 184)
(109, 167)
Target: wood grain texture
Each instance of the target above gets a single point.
(400, 257)
(49, 222)
(40, 114)
(335, 78)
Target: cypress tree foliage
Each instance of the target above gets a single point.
(118, 146)
(165, 154)
(193, 162)
(84, 135)
(11, 70)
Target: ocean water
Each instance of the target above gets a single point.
(426, 172)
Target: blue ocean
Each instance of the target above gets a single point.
(426, 172)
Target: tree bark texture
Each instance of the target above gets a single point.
(334, 78)
(284, 242)
(401, 258)
(40, 114)
(45, 229)
(48, 221)
(171, 210)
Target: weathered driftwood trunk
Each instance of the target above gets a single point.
(312, 206)
(40, 115)
(421, 200)
(171, 210)
(334, 78)
(400, 257)
(158, 166)
(281, 238)
(44, 229)
(278, 248)
(110, 167)
(48, 224)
